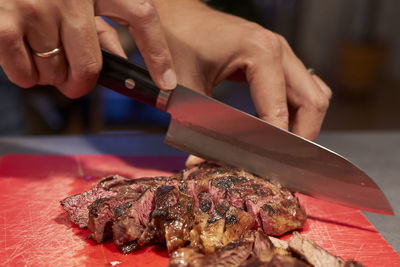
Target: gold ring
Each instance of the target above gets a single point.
(50, 53)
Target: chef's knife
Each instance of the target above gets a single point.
(207, 128)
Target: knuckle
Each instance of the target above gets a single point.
(144, 11)
(328, 92)
(320, 103)
(278, 116)
(282, 40)
(157, 58)
(265, 40)
(89, 70)
(84, 77)
(282, 114)
(9, 34)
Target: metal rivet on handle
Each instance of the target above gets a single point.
(129, 83)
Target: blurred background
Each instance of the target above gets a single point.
(353, 45)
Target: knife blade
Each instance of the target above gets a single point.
(207, 128)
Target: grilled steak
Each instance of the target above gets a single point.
(208, 191)
(205, 215)
(131, 219)
(171, 220)
(77, 205)
(101, 216)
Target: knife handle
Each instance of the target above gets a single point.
(129, 79)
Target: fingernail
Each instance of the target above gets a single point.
(169, 79)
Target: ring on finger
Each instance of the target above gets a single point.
(50, 53)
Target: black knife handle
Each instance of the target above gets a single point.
(128, 79)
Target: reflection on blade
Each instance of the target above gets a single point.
(206, 128)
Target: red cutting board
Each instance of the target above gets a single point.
(34, 230)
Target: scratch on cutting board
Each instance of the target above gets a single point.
(79, 165)
(357, 254)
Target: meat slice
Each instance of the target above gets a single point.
(130, 220)
(180, 222)
(207, 233)
(275, 209)
(77, 205)
(101, 215)
(237, 221)
(229, 256)
(280, 216)
(172, 219)
(315, 255)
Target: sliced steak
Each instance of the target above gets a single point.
(208, 208)
(237, 221)
(77, 205)
(180, 222)
(315, 255)
(101, 215)
(276, 210)
(130, 220)
(281, 216)
(172, 219)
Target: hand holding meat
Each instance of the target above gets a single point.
(57, 42)
(209, 46)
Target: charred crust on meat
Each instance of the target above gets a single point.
(221, 208)
(231, 219)
(121, 210)
(159, 213)
(205, 202)
(270, 210)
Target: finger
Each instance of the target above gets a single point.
(82, 49)
(268, 91)
(145, 27)
(42, 36)
(322, 85)
(305, 95)
(108, 38)
(15, 58)
(193, 160)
